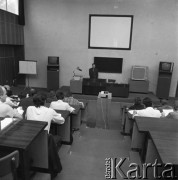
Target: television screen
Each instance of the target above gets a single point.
(166, 66)
(53, 60)
(108, 64)
(139, 73)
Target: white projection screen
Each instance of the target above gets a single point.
(110, 31)
(28, 67)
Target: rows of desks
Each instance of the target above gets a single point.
(30, 138)
(154, 139)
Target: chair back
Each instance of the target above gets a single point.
(8, 165)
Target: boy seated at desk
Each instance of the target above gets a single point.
(149, 111)
(60, 104)
(41, 113)
(72, 101)
(138, 105)
(5, 109)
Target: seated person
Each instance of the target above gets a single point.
(60, 104)
(174, 114)
(51, 97)
(28, 101)
(41, 113)
(137, 104)
(5, 109)
(149, 111)
(164, 105)
(10, 101)
(72, 101)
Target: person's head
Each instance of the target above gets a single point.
(68, 94)
(51, 94)
(60, 95)
(7, 87)
(176, 105)
(147, 102)
(93, 65)
(22, 95)
(9, 93)
(38, 100)
(138, 101)
(163, 102)
(32, 92)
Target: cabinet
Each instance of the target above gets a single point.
(53, 77)
(163, 85)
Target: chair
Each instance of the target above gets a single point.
(8, 165)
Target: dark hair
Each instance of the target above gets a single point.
(22, 95)
(67, 94)
(147, 102)
(39, 100)
(138, 101)
(8, 93)
(32, 92)
(60, 95)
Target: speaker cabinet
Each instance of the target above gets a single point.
(163, 85)
(53, 77)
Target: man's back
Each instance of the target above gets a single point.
(60, 105)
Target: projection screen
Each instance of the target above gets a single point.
(110, 31)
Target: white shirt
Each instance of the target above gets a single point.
(44, 114)
(8, 111)
(60, 105)
(148, 112)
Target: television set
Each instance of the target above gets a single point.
(166, 67)
(108, 64)
(139, 73)
(53, 60)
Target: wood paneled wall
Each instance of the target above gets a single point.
(11, 48)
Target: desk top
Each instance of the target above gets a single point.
(20, 134)
(156, 124)
(167, 145)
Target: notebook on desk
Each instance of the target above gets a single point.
(5, 122)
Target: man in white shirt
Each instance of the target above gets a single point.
(149, 111)
(41, 113)
(60, 104)
(5, 109)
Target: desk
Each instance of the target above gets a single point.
(30, 139)
(143, 125)
(63, 130)
(163, 146)
(76, 117)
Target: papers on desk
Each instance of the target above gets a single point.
(6, 122)
(167, 111)
(20, 110)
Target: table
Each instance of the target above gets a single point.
(143, 125)
(76, 86)
(30, 139)
(76, 117)
(163, 146)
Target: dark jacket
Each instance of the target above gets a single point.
(93, 72)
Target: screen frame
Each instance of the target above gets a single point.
(171, 67)
(107, 60)
(113, 47)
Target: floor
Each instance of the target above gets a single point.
(85, 158)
